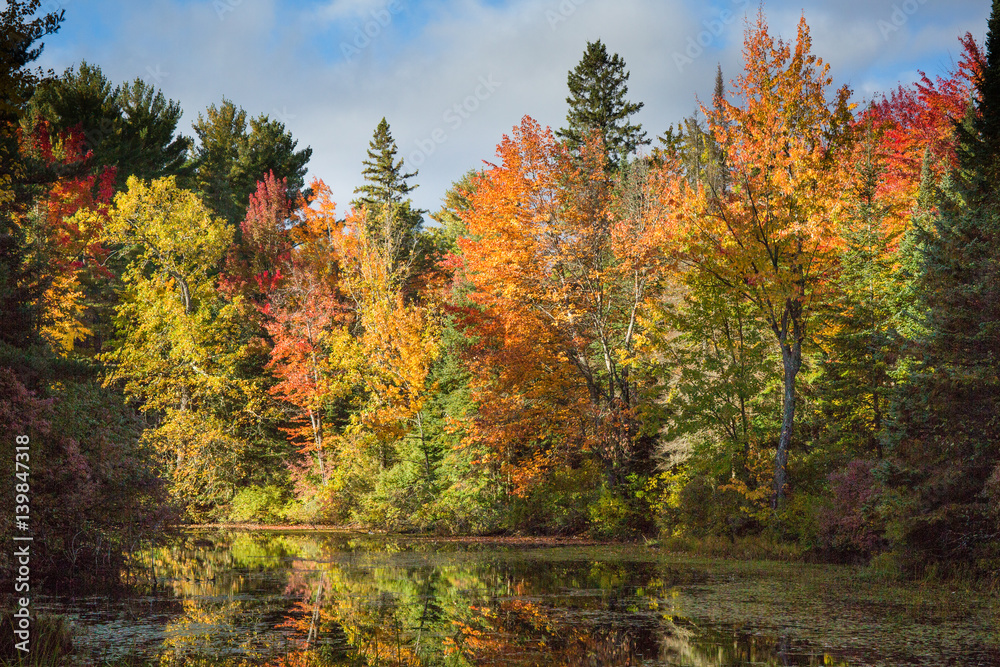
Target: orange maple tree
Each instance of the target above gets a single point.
(560, 272)
(304, 315)
(772, 235)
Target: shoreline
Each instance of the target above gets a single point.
(529, 540)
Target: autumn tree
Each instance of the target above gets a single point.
(174, 334)
(351, 354)
(773, 237)
(559, 275)
(67, 221)
(916, 123)
(304, 315)
(598, 86)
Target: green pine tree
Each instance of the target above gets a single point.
(946, 445)
(233, 156)
(391, 219)
(598, 86)
(131, 127)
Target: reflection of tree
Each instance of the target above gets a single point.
(374, 602)
(685, 645)
(224, 606)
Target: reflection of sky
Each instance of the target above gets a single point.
(299, 61)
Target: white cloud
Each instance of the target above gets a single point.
(288, 61)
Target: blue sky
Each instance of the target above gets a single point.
(452, 76)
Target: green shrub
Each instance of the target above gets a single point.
(560, 503)
(260, 504)
(609, 517)
(802, 519)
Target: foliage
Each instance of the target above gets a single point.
(945, 434)
(130, 127)
(174, 334)
(561, 269)
(778, 332)
(264, 504)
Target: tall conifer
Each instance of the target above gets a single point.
(598, 86)
(947, 443)
(391, 219)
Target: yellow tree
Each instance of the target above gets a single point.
(772, 235)
(399, 339)
(173, 330)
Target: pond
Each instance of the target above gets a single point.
(298, 598)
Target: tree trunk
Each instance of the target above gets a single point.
(791, 360)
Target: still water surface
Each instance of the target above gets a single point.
(275, 598)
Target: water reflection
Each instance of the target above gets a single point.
(330, 599)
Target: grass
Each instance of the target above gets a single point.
(750, 547)
(51, 641)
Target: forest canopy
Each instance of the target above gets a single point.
(782, 320)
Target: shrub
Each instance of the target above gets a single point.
(853, 523)
(260, 504)
(558, 504)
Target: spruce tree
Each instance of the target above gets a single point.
(947, 443)
(862, 344)
(598, 86)
(391, 221)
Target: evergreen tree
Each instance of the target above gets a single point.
(20, 284)
(391, 221)
(131, 127)
(863, 344)
(718, 172)
(598, 86)
(232, 157)
(701, 155)
(947, 442)
(148, 146)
